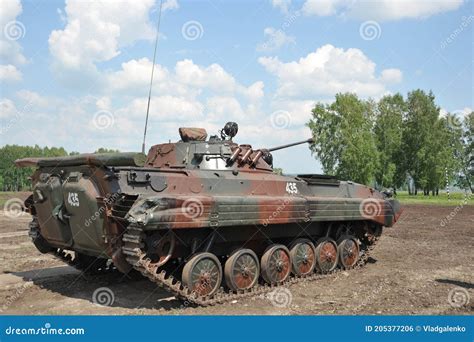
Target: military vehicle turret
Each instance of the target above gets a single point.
(207, 219)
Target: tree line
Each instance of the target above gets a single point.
(13, 178)
(394, 142)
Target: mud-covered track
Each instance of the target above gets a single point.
(133, 249)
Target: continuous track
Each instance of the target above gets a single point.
(133, 249)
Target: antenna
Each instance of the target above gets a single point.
(152, 72)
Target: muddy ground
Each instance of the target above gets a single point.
(412, 271)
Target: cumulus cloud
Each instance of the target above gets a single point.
(134, 79)
(96, 30)
(9, 73)
(170, 5)
(164, 108)
(186, 79)
(391, 76)
(322, 7)
(298, 111)
(33, 99)
(383, 10)
(219, 107)
(327, 71)
(275, 39)
(283, 5)
(461, 113)
(11, 32)
(7, 108)
(213, 76)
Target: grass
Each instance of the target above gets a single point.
(455, 199)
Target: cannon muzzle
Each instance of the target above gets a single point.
(309, 141)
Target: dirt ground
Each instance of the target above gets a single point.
(413, 270)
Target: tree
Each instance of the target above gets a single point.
(278, 170)
(419, 132)
(444, 161)
(467, 153)
(344, 142)
(106, 150)
(388, 139)
(16, 179)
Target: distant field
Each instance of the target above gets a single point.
(455, 199)
(6, 195)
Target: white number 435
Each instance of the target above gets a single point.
(73, 199)
(291, 188)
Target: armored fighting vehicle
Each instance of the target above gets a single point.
(207, 219)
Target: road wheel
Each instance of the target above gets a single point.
(303, 257)
(326, 255)
(348, 250)
(202, 274)
(242, 270)
(276, 264)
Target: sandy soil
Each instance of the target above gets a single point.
(413, 270)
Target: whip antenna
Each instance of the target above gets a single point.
(152, 72)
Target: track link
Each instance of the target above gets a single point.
(133, 249)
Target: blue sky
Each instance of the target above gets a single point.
(75, 73)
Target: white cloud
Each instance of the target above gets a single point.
(254, 92)
(104, 103)
(96, 30)
(11, 32)
(164, 108)
(187, 79)
(275, 39)
(134, 78)
(9, 73)
(219, 107)
(213, 76)
(299, 111)
(392, 75)
(283, 5)
(33, 99)
(170, 5)
(402, 9)
(321, 7)
(462, 112)
(7, 108)
(327, 71)
(459, 113)
(383, 10)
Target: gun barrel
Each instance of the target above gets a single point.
(310, 141)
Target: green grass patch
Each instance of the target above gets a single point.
(454, 199)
